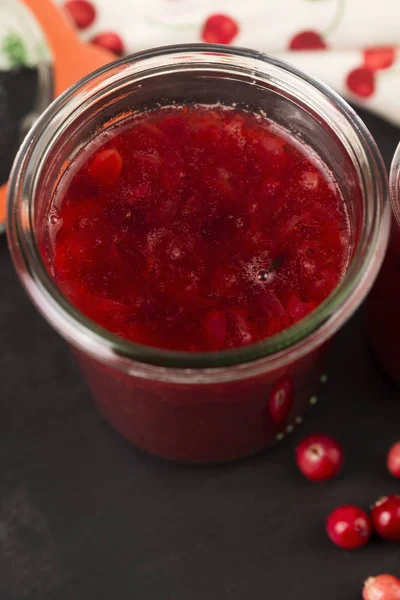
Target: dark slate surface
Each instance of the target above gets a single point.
(85, 516)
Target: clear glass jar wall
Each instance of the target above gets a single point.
(216, 406)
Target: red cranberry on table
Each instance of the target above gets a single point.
(393, 460)
(319, 457)
(349, 527)
(361, 82)
(109, 41)
(382, 587)
(385, 516)
(81, 12)
(219, 29)
(307, 40)
(379, 58)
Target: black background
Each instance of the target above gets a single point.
(85, 516)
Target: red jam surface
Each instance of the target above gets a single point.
(197, 229)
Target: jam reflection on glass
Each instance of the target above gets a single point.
(198, 229)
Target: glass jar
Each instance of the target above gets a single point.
(215, 406)
(26, 82)
(383, 301)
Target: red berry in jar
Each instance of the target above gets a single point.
(307, 40)
(349, 527)
(361, 82)
(215, 329)
(386, 518)
(219, 29)
(319, 457)
(109, 41)
(382, 587)
(281, 400)
(393, 460)
(106, 166)
(81, 12)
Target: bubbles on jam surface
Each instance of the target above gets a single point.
(262, 275)
(197, 228)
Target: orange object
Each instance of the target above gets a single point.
(72, 58)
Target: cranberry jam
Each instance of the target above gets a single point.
(197, 228)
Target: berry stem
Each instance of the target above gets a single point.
(337, 18)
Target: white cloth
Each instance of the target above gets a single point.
(346, 27)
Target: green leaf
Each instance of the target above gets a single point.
(14, 47)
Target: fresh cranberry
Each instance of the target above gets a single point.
(106, 166)
(349, 527)
(382, 587)
(393, 460)
(361, 82)
(379, 58)
(219, 29)
(319, 457)
(109, 41)
(307, 40)
(81, 12)
(281, 400)
(386, 518)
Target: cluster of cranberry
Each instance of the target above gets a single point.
(319, 458)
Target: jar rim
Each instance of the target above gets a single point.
(265, 355)
(394, 184)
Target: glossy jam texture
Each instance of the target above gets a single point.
(197, 229)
